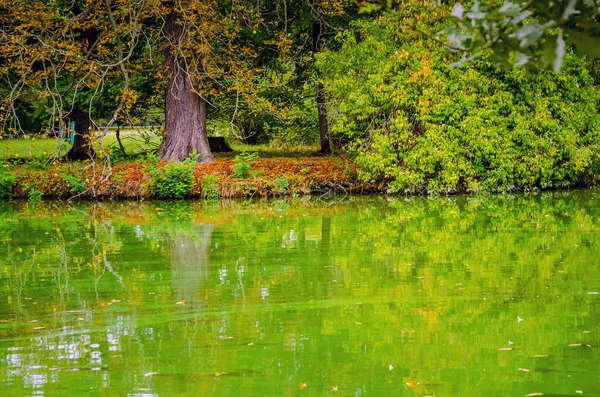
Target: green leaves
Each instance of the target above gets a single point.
(423, 126)
(539, 30)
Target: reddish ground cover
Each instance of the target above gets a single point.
(267, 177)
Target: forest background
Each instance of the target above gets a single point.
(411, 96)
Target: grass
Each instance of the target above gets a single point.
(135, 141)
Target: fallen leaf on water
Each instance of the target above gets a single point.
(505, 349)
(42, 327)
(588, 345)
(250, 344)
(579, 391)
(523, 369)
(357, 323)
(327, 267)
(586, 332)
(575, 344)
(180, 302)
(411, 383)
(334, 388)
(217, 374)
(114, 301)
(151, 293)
(302, 385)
(150, 373)
(535, 394)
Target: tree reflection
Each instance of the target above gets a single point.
(189, 255)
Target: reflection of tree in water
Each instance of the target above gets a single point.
(189, 253)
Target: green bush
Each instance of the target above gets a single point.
(174, 180)
(210, 188)
(7, 182)
(34, 195)
(427, 127)
(281, 185)
(38, 163)
(243, 161)
(75, 181)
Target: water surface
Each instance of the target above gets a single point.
(376, 296)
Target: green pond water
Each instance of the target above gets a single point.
(363, 296)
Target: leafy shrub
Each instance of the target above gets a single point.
(34, 195)
(174, 180)
(38, 163)
(76, 181)
(281, 185)
(426, 127)
(209, 187)
(243, 161)
(7, 182)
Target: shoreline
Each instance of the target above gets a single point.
(265, 177)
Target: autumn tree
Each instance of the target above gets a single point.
(75, 50)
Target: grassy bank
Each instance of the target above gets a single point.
(240, 176)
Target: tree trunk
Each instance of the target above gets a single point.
(82, 149)
(321, 105)
(185, 111)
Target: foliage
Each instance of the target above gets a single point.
(282, 185)
(537, 31)
(210, 187)
(7, 182)
(38, 163)
(427, 127)
(242, 163)
(173, 180)
(34, 195)
(75, 180)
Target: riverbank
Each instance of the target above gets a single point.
(225, 178)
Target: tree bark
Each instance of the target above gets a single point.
(185, 111)
(82, 149)
(321, 103)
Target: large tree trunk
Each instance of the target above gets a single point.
(321, 105)
(185, 111)
(82, 149)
